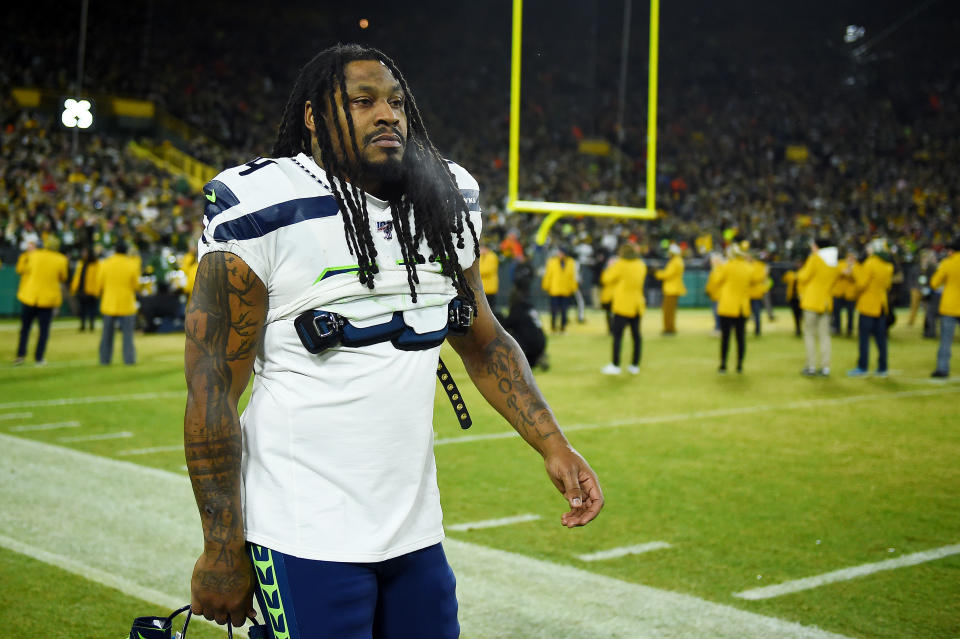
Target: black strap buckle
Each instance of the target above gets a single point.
(319, 330)
(460, 315)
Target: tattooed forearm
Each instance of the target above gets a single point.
(224, 323)
(514, 381)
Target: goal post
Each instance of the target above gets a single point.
(557, 210)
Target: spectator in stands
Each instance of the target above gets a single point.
(118, 281)
(673, 289)
(817, 278)
(559, 281)
(84, 287)
(626, 276)
(42, 274)
(489, 266)
(873, 280)
(948, 277)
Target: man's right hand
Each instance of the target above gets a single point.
(223, 593)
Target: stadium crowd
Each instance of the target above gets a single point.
(810, 139)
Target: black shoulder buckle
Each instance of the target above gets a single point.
(319, 330)
(460, 314)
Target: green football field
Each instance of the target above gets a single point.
(757, 505)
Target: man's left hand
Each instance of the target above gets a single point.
(573, 477)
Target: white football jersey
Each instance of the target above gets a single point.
(337, 447)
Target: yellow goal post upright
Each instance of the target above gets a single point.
(558, 210)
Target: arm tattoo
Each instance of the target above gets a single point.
(224, 322)
(505, 365)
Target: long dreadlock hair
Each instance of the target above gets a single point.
(429, 189)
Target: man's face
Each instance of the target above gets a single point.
(376, 105)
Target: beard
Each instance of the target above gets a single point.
(390, 172)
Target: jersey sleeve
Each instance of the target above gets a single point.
(230, 225)
(470, 191)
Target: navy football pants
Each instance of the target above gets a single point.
(408, 597)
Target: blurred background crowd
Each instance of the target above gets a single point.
(774, 126)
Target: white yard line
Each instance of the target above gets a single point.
(846, 574)
(98, 399)
(492, 523)
(708, 414)
(150, 451)
(15, 416)
(124, 434)
(27, 428)
(137, 529)
(623, 551)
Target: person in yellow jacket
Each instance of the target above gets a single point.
(489, 266)
(560, 282)
(626, 276)
(83, 286)
(43, 272)
(117, 284)
(873, 280)
(734, 281)
(845, 296)
(789, 279)
(850, 294)
(713, 289)
(606, 295)
(947, 275)
(673, 289)
(818, 276)
(760, 284)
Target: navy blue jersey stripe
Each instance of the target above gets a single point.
(219, 199)
(259, 223)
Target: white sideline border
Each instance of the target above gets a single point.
(846, 574)
(149, 521)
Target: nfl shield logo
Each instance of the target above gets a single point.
(386, 228)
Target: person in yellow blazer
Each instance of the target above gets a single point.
(818, 277)
(560, 282)
(789, 279)
(489, 266)
(849, 277)
(845, 296)
(713, 289)
(673, 289)
(947, 275)
(606, 295)
(84, 287)
(758, 287)
(117, 284)
(734, 280)
(873, 280)
(626, 276)
(43, 272)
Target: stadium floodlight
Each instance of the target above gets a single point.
(557, 210)
(77, 114)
